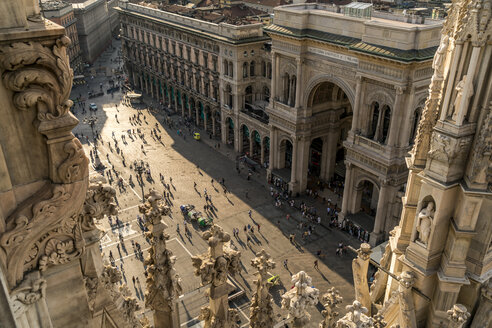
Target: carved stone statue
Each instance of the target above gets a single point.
(299, 298)
(458, 315)
(163, 283)
(405, 298)
(261, 305)
(460, 92)
(213, 268)
(440, 56)
(424, 223)
(356, 317)
(360, 266)
(330, 301)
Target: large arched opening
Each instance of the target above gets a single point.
(266, 151)
(285, 154)
(256, 146)
(331, 111)
(229, 131)
(245, 135)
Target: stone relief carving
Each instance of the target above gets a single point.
(356, 317)
(163, 282)
(480, 160)
(99, 201)
(360, 266)
(39, 75)
(213, 267)
(378, 286)
(424, 223)
(30, 291)
(75, 165)
(330, 301)
(457, 316)
(298, 299)
(405, 299)
(261, 308)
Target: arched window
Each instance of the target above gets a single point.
(248, 97)
(374, 121)
(292, 92)
(386, 124)
(228, 96)
(263, 69)
(226, 68)
(231, 70)
(252, 68)
(286, 88)
(415, 124)
(245, 69)
(266, 93)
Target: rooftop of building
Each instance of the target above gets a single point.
(210, 11)
(53, 4)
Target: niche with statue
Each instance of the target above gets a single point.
(424, 221)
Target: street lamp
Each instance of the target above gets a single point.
(139, 169)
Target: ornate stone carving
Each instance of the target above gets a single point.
(30, 291)
(458, 315)
(75, 165)
(299, 298)
(360, 266)
(356, 317)
(43, 231)
(261, 305)
(330, 301)
(424, 222)
(481, 157)
(39, 75)
(378, 286)
(91, 285)
(213, 267)
(440, 56)
(99, 201)
(163, 283)
(405, 298)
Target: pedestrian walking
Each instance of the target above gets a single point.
(316, 264)
(258, 226)
(249, 213)
(248, 241)
(133, 279)
(286, 263)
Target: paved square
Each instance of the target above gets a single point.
(187, 162)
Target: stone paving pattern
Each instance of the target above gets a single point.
(188, 161)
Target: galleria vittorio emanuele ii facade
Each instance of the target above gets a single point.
(400, 108)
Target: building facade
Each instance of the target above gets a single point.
(440, 253)
(216, 74)
(344, 102)
(347, 94)
(62, 14)
(93, 26)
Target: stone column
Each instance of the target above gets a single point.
(163, 283)
(293, 169)
(381, 214)
(273, 149)
(302, 162)
(261, 309)
(205, 120)
(273, 92)
(223, 127)
(299, 83)
(396, 118)
(324, 159)
(331, 152)
(182, 107)
(357, 106)
(262, 150)
(347, 191)
(197, 114)
(213, 123)
(175, 100)
(213, 268)
(299, 298)
(251, 144)
(360, 266)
